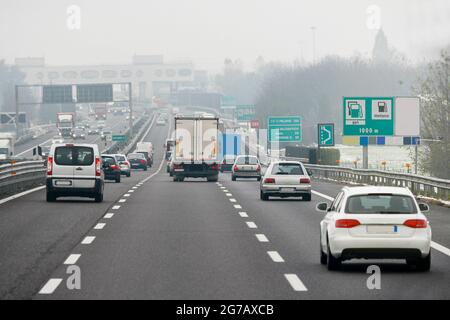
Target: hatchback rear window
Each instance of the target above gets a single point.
(120, 158)
(136, 156)
(247, 160)
(110, 160)
(287, 169)
(380, 203)
(74, 156)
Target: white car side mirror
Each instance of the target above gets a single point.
(322, 207)
(424, 207)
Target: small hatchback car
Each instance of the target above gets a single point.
(74, 170)
(373, 222)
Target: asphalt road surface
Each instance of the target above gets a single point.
(153, 238)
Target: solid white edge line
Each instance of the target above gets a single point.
(322, 195)
(440, 248)
(88, 240)
(295, 282)
(50, 286)
(15, 196)
(72, 259)
(261, 238)
(275, 256)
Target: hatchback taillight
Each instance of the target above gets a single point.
(235, 168)
(142, 161)
(214, 167)
(49, 166)
(98, 172)
(269, 180)
(305, 180)
(416, 223)
(347, 223)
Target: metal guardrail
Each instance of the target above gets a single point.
(17, 176)
(419, 185)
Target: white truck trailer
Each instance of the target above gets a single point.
(196, 148)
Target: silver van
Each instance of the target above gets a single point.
(74, 170)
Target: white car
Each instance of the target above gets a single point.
(286, 179)
(57, 139)
(246, 166)
(74, 170)
(372, 222)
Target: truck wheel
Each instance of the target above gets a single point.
(51, 197)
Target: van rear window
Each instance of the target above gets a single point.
(74, 156)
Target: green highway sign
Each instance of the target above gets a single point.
(325, 134)
(227, 101)
(245, 112)
(119, 137)
(368, 116)
(91, 93)
(57, 94)
(285, 129)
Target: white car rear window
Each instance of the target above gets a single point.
(380, 203)
(287, 169)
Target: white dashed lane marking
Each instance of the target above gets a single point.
(243, 214)
(130, 191)
(122, 200)
(116, 207)
(261, 238)
(232, 200)
(88, 240)
(228, 194)
(295, 282)
(251, 225)
(126, 195)
(72, 259)
(108, 215)
(50, 286)
(238, 206)
(275, 256)
(99, 226)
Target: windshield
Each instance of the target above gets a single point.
(287, 169)
(247, 160)
(380, 203)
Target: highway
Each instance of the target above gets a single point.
(153, 238)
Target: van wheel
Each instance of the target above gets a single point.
(118, 179)
(332, 262)
(51, 197)
(99, 197)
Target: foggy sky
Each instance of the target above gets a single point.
(208, 31)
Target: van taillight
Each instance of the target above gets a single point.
(98, 172)
(416, 223)
(258, 168)
(305, 180)
(347, 223)
(49, 166)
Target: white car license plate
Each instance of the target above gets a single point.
(391, 229)
(63, 182)
(287, 190)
